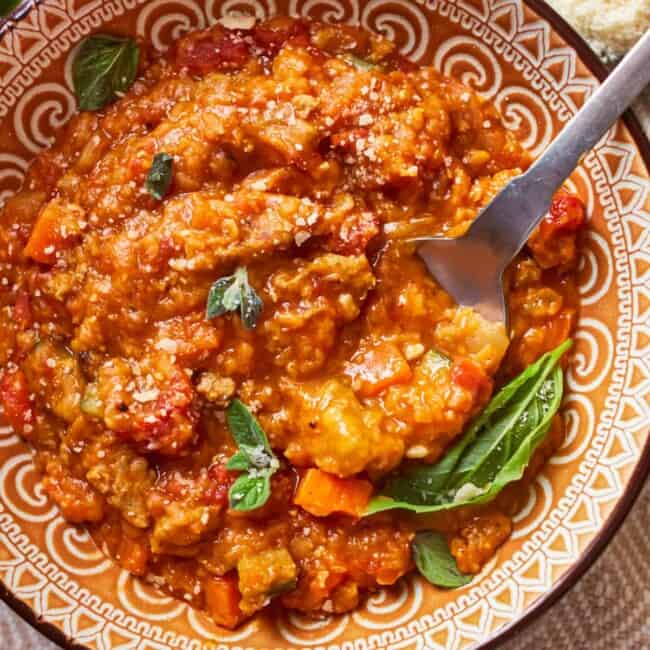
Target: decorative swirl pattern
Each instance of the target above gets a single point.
(596, 271)
(389, 608)
(536, 509)
(164, 21)
(21, 491)
(303, 631)
(592, 359)
(579, 417)
(74, 549)
(471, 61)
(12, 175)
(145, 600)
(409, 28)
(326, 10)
(526, 114)
(261, 9)
(40, 113)
(462, 39)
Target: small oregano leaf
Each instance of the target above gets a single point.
(159, 177)
(234, 293)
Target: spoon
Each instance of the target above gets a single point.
(470, 268)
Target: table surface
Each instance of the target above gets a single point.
(609, 608)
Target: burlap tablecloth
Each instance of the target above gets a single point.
(609, 608)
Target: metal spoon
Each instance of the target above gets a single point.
(470, 268)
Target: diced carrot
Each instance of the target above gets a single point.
(56, 229)
(18, 409)
(323, 494)
(377, 368)
(222, 599)
(469, 375)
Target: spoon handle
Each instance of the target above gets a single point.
(516, 211)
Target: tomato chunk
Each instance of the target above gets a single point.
(17, 405)
(322, 494)
(222, 598)
(469, 375)
(377, 368)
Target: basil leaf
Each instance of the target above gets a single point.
(159, 177)
(233, 293)
(104, 68)
(492, 453)
(435, 562)
(249, 491)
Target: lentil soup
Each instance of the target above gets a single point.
(275, 173)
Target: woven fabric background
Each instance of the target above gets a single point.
(609, 608)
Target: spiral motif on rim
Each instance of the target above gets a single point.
(391, 607)
(22, 492)
(580, 423)
(12, 175)
(531, 516)
(596, 270)
(74, 549)
(409, 28)
(202, 625)
(593, 356)
(40, 112)
(164, 21)
(328, 11)
(471, 61)
(144, 600)
(304, 631)
(261, 9)
(526, 114)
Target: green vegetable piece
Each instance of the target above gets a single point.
(159, 177)
(252, 489)
(6, 6)
(434, 561)
(90, 403)
(104, 68)
(359, 63)
(233, 293)
(494, 451)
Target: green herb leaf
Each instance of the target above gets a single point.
(104, 68)
(250, 490)
(359, 63)
(233, 293)
(435, 562)
(159, 177)
(492, 453)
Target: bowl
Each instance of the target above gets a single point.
(538, 72)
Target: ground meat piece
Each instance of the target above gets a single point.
(476, 542)
(216, 389)
(310, 300)
(180, 527)
(263, 576)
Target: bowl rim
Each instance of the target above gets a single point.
(637, 479)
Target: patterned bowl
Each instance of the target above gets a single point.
(538, 73)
